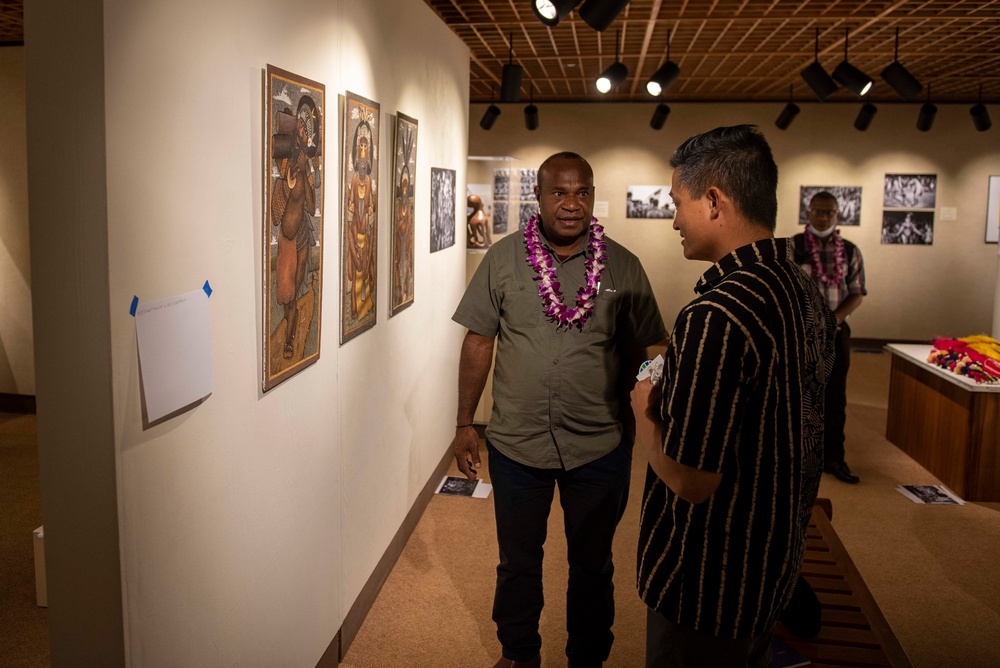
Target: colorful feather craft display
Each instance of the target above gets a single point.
(977, 357)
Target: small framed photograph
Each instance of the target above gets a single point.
(993, 211)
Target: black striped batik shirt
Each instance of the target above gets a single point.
(743, 396)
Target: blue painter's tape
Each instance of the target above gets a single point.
(207, 288)
(135, 305)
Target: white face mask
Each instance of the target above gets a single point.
(824, 233)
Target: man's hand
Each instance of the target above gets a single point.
(645, 398)
(466, 448)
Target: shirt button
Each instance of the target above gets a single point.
(556, 427)
(555, 361)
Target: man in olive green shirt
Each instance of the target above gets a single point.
(572, 313)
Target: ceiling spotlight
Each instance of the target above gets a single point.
(927, 113)
(531, 112)
(614, 75)
(659, 116)
(900, 78)
(551, 12)
(865, 116)
(510, 84)
(981, 117)
(599, 14)
(787, 114)
(818, 78)
(664, 77)
(492, 111)
(851, 77)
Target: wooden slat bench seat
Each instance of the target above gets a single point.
(854, 632)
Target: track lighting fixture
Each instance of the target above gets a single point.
(614, 75)
(787, 114)
(981, 117)
(599, 14)
(664, 77)
(551, 12)
(851, 77)
(659, 116)
(865, 116)
(927, 113)
(900, 78)
(531, 111)
(818, 78)
(510, 83)
(492, 111)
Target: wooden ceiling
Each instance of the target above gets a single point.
(11, 22)
(728, 50)
(734, 50)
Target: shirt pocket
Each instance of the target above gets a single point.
(605, 314)
(522, 307)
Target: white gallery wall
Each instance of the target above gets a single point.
(915, 292)
(246, 526)
(17, 369)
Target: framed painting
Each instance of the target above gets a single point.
(443, 205)
(404, 172)
(359, 219)
(294, 140)
(993, 211)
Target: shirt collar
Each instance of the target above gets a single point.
(765, 250)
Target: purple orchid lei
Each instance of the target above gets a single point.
(541, 261)
(839, 260)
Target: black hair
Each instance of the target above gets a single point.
(824, 194)
(737, 160)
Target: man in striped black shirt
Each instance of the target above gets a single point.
(734, 431)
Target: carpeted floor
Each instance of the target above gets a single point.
(24, 635)
(932, 569)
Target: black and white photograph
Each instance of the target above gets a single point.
(993, 211)
(528, 179)
(501, 185)
(930, 494)
(501, 200)
(649, 202)
(527, 210)
(908, 227)
(910, 191)
(442, 208)
(500, 216)
(457, 486)
(848, 197)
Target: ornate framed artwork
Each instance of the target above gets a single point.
(294, 139)
(404, 172)
(359, 220)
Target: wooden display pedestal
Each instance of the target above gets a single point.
(946, 422)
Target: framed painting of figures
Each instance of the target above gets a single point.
(404, 172)
(293, 170)
(359, 220)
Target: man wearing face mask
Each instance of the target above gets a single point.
(836, 266)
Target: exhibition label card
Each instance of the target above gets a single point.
(174, 336)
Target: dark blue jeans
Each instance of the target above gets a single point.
(593, 499)
(836, 398)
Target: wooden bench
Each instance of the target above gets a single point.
(854, 632)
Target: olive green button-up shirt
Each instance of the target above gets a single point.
(555, 391)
